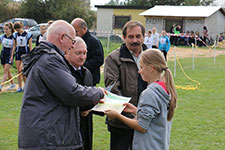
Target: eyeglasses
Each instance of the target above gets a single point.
(73, 41)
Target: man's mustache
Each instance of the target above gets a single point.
(135, 44)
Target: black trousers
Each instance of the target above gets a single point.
(120, 139)
(165, 54)
(87, 131)
(154, 46)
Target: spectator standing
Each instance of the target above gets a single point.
(156, 106)
(49, 117)
(148, 39)
(205, 34)
(6, 40)
(95, 58)
(155, 37)
(43, 29)
(22, 44)
(172, 33)
(121, 67)
(177, 31)
(164, 44)
(95, 54)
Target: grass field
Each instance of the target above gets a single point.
(198, 123)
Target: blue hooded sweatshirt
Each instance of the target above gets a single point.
(164, 43)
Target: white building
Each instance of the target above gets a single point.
(191, 18)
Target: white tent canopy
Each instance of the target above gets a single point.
(181, 11)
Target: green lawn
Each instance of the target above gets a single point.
(198, 123)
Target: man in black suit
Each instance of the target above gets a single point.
(95, 54)
(77, 56)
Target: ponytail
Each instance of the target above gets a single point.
(155, 57)
(172, 90)
(10, 26)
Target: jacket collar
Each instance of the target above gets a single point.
(86, 35)
(126, 55)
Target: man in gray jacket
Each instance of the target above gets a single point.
(121, 67)
(49, 118)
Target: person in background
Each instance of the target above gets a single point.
(198, 39)
(49, 24)
(164, 44)
(148, 39)
(6, 40)
(155, 37)
(43, 29)
(187, 38)
(192, 38)
(156, 107)
(121, 68)
(50, 116)
(221, 37)
(77, 56)
(205, 35)
(177, 31)
(95, 54)
(172, 37)
(22, 44)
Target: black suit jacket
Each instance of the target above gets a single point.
(95, 56)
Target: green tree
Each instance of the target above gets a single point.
(8, 10)
(44, 10)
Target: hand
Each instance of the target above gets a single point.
(112, 114)
(85, 113)
(130, 108)
(11, 58)
(103, 90)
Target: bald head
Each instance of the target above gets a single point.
(61, 33)
(80, 26)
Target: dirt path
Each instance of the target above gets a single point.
(187, 53)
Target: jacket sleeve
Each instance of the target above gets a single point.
(58, 79)
(96, 55)
(112, 74)
(148, 108)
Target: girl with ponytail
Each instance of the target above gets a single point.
(6, 40)
(156, 105)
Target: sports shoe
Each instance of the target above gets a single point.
(12, 86)
(19, 90)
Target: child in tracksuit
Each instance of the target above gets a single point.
(164, 44)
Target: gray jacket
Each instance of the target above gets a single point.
(152, 116)
(49, 116)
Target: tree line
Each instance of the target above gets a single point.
(44, 10)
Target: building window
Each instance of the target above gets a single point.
(119, 21)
